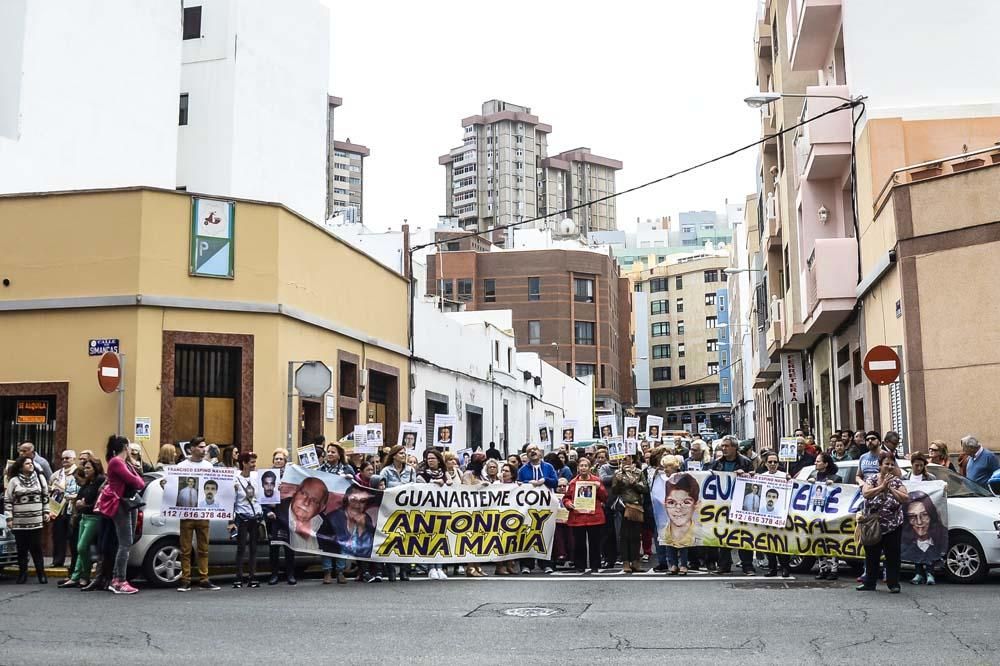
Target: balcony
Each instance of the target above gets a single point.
(460, 188)
(467, 212)
(818, 20)
(775, 327)
(831, 279)
(772, 223)
(824, 149)
(762, 38)
(765, 371)
(767, 127)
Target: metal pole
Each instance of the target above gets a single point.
(291, 384)
(121, 398)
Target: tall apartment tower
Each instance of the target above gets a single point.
(577, 177)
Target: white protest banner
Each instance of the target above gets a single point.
(199, 493)
(631, 429)
(269, 480)
(568, 430)
(444, 431)
(761, 499)
(654, 426)
(608, 425)
(411, 436)
(414, 523)
(788, 449)
(308, 456)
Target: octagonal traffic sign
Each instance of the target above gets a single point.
(882, 365)
(313, 379)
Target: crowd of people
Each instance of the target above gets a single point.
(616, 529)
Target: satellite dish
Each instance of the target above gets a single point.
(567, 227)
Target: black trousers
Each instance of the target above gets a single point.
(888, 546)
(610, 548)
(630, 541)
(774, 561)
(63, 535)
(108, 547)
(274, 554)
(726, 559)
(587, 540)
(247, 531)
(29, 541)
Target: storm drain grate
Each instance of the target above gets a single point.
(529, 610)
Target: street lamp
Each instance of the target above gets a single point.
(763, 99)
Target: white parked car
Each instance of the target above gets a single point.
(973, 521)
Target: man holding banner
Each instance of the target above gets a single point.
(195, 528)
(732, 461)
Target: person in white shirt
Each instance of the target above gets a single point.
(770, 509)
(195, 528)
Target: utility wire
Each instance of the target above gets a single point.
(766, 137)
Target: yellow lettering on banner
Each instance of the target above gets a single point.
(411, 533)
(415, 545)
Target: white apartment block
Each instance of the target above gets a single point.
(347, 194)
(84, 103)
(227, 97)
(501, 174)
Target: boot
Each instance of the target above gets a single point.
(99, 583)
(501, 570)
(327, 577)
(391, 571)
(637, 567)
(22, 577)
(42, 578)
(626, 567)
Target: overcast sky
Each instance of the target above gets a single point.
(657, 85)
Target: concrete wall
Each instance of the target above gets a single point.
(86, 103)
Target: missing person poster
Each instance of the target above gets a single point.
(616, 447)
(269, 480)
(562, 513)
(374, 436)
(199, 493)
(568, 430)
(324, 514)
(654, 428)
(308, 456)
(608, 425)
(543, 436)
(761, 500)
(631, 429)
(585, 499)
(444, 431)
(788, 449)
(699, 509)
(411, 436)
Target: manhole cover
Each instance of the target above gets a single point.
(529, 610)
(532, 611)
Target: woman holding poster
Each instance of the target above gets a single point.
(587, 526)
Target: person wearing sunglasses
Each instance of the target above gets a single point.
(938, 454)
(868, 465)
(63, 534)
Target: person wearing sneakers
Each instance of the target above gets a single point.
(197, 529)
(588, 527)
(630, 487)
(247, 517)
(123, 480)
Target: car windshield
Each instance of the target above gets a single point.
(956, 484)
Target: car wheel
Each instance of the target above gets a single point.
(162, 566)
(965, 561)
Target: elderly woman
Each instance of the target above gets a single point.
(26, 502)
(885, 496)
(938, 454)
(630, 487)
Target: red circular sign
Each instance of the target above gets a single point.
(109, 372)
(882, 365)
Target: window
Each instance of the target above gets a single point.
(452, 246)
(534, 332)
(192, 23)
(661, 328)
(661, 374)
(680, 327)
(713, 345)
(182, 117)
(671, 399)
(489, 291)
(603, 383)
(658, 284)
(659, 307)
(686, 396)
(725, 387)
(638, 287)
(447, 289)
(682, 374)
(680, 305)
(699, 395)
(585, 369)
(722, 302)
(710, 299)
(584, 332)
(679, 282)
(712, 276)
(583, 290)
(713, 367)
(534, 289)
(680, 350)
(465, 289)
(661, 351)
(340, 179)
(711, 322)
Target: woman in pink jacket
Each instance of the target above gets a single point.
(123, 481)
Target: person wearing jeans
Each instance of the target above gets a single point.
(247, 516)
(195, 528)
(123, 481)
(588, 527)
(681, 495)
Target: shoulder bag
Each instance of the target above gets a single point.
(868, 531)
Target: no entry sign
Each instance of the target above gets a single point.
(882, 365)
(109, 371)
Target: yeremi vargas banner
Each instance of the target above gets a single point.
(697, 509)
(329, 515)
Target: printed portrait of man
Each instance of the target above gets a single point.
(444, 435)
(567, 435)
(751, 498)
(770, 503)
(606, 431)
(409, 440)
(211, 489)
(654, 432)
(269, 486)
(187, 492)
(300, 515)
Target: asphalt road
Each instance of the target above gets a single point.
(546, 619)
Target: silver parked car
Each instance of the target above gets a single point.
(8, 547)
(156, 553)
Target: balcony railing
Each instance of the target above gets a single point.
(823, 149)
(830, 283)
(815, 33)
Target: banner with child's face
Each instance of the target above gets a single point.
(324, 514)
(771, 515)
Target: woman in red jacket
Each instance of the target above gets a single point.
(587, 522)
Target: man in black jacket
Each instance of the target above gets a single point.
(732, 461)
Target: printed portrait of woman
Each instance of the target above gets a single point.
(681, 500)
(924, 539)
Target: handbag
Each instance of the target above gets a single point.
(868, 531)
(133, 501)
(634, 512)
